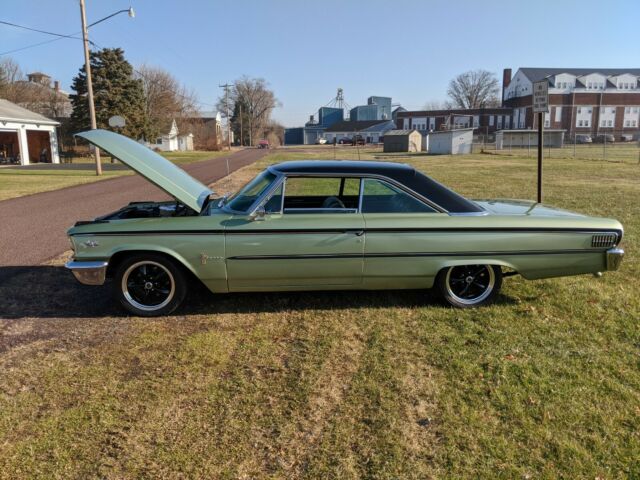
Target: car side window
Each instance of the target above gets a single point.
(274, 204)
(381, 197)
(321, 195)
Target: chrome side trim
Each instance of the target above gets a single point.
(89, 273)
(504, 253)
(614, 258)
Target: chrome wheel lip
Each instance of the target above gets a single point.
(142, 306)
(478, 299)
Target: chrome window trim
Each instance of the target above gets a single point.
(259, 201)
(321, 209)
(362, 176)
(405, 190)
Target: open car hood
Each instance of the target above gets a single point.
(155, 168)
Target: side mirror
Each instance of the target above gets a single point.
(258, 214)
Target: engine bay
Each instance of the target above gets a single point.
(150, 210)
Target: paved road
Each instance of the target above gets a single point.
(32, 228)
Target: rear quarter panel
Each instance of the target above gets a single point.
(408, 250)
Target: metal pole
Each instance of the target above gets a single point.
(540, 153)
(241, 132)
(87, 68)
(226, 102)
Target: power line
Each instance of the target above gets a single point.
(59, 36)
(31, 46)
(40, 31)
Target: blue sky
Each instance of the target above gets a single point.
(408, 50)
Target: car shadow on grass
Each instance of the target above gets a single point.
(53, 292)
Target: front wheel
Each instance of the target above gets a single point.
(468, 286)
(149, 285)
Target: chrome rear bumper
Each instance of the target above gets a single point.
(89, 273)
(614, 258)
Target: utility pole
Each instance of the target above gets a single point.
(226, 102)
(87, 68)
(241, 132)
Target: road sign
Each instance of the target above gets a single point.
(116, 121)
(541, 96)
(540, 106)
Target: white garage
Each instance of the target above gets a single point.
(26, 137)
(450, 142)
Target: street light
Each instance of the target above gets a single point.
(87, 68)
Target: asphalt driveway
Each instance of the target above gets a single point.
(32, 228)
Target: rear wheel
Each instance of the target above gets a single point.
(149, 285)
(468, 286)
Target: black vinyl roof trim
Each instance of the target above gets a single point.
(400, 172)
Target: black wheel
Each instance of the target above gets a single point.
(469, 286)
(149, 285)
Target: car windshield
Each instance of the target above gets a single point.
(242, 201)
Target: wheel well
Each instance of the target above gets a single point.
(117, 258)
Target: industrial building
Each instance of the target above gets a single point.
(402, 141)
(376, 109)
(313, 129)
(371, 131)
(592, 101)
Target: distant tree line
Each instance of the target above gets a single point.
(148, 97)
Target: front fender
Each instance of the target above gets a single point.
(202, 255)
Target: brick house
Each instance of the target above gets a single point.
(582, 101)
(482, 120)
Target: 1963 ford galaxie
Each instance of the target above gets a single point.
(321, 225)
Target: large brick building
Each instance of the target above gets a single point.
(482, 120)
(591, 101)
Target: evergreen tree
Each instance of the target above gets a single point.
(115, 92)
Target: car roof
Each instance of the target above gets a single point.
(344, 167)
(400, 172)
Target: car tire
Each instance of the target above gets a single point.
(469, 286)
(150, 285)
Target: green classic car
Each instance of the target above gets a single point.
(326, 225)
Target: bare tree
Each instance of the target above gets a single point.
(257, 101)
(435, 105)
(274, 133)
(474, 89)
(37, 97)
(165, 98)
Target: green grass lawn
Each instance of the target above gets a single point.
(19, 182)
(543, 384)
(15, 182)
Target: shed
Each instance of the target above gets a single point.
(451, 142)
(25, 136)
(370, 130)
(402, 141)
(506, 139)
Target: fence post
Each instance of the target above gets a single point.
(574, 144)
(604, 147)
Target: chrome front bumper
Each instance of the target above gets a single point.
(89, 273)
(614, 258)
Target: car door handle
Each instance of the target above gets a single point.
(357, 233)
